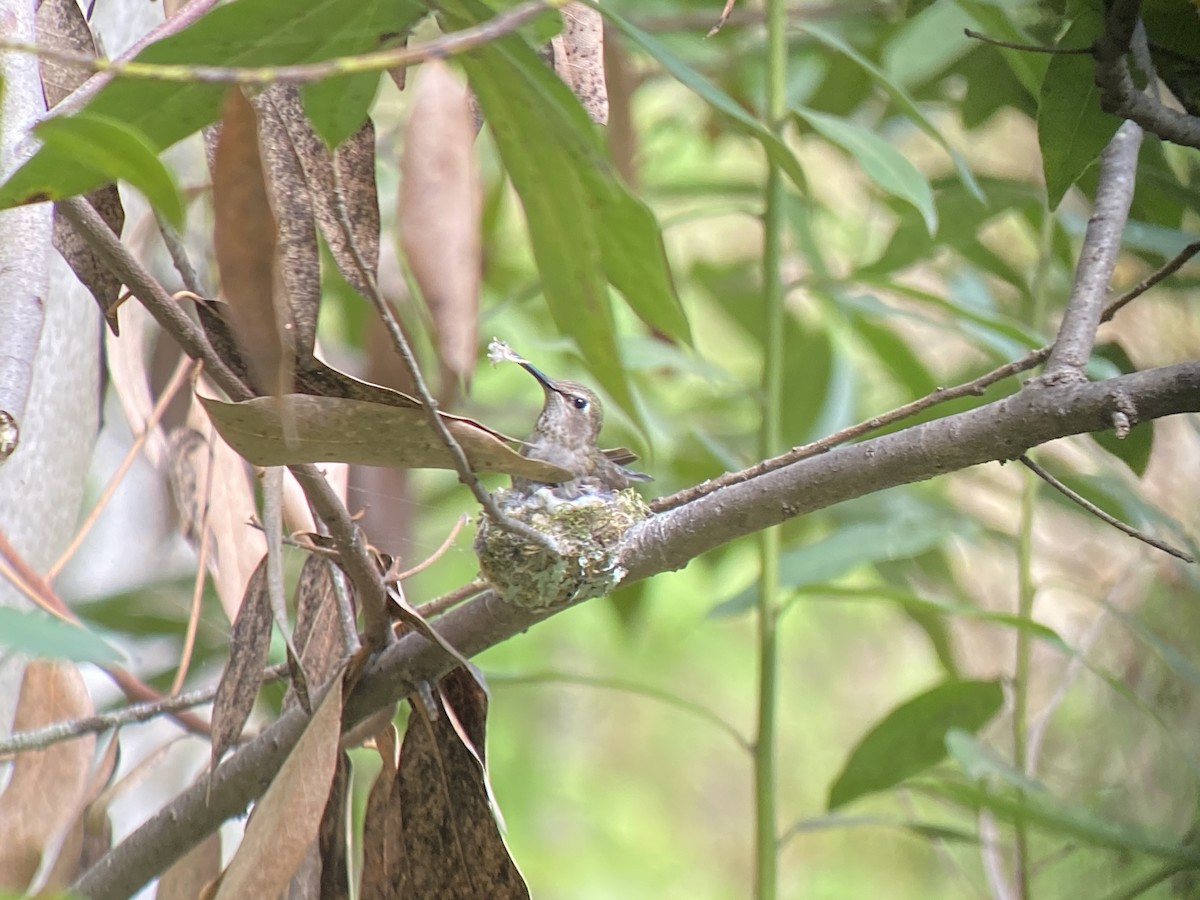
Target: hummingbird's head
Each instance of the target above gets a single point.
(571, 415)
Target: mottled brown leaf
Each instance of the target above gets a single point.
(47, 788)
(62, 26)
(381, 820)
(249, 642)
(440, 209)
(331, 429)
(318, 635)
(288, 817)
(244, 239)
(579, 58)
(188, 876)
(436, 837)
(281, 121)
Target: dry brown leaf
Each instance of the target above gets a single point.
(90, 836)
(249, 641)
(579, 58)
(332, 429)
(436, 837)
(280, 118)
(244, 239)
(235, 545)
(323, 874)
(318, 633)
(440, 209)
(288, 817)
(189, 875)
(48, 788)
(128, 373)
(62, 26)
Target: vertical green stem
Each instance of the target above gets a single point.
(766, 838)
(1025, 591)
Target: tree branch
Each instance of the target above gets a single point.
(1120, 96)
(1098, 258)
(998, 431)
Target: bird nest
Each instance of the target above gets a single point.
(587, 532)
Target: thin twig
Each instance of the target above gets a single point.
(940, 395)
(173, 385)
(379, 61)
(1028, 48)
(1102, 243)
(179, 255)
(393, 575)
(400, 343)
(1099, 513)
(41, 738)
(451, 599)
(1173, 265)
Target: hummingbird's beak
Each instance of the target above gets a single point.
(541, 376)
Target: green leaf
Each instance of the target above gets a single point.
(90, 146)
(980, 762)
(242, 33)
(1072, 129)
(1042, 811)
(337, 107)
(585, 226)
(40, 635)
(912, 737)
(902, 99)
(776, 149)
(882, 162)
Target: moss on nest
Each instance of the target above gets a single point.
(587, 532)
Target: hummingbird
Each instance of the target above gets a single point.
(566, 435)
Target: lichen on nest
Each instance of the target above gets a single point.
(587, 531)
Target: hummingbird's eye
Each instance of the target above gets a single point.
(579, 402)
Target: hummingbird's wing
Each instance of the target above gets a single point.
(620, 455)
(636, 476)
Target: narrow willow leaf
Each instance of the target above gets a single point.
(332, 429)
(883, 163)
(249, 643)
(288, 817)
(441, 204)
(337, 107)
(912, 737)
(36, 634)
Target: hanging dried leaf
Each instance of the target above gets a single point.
(235, 545)
(47, 789)
(244, 237)
(440, 209)
(330, 429)
(288, 817)
(131, 383)
(318, 633)
(323, 874)
(579, 58)
(62, 26)
(90, 836)
(188, 876)
(249, 642)
(280, 119)
(436, 837)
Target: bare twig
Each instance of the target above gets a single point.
(451, 599)
(394, 575)
(42, 738)
(179, 255)
(1099, 513)
(379, 61)
(1028, 48)
(975, 387)
(1173, 265)
(1102, 244)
